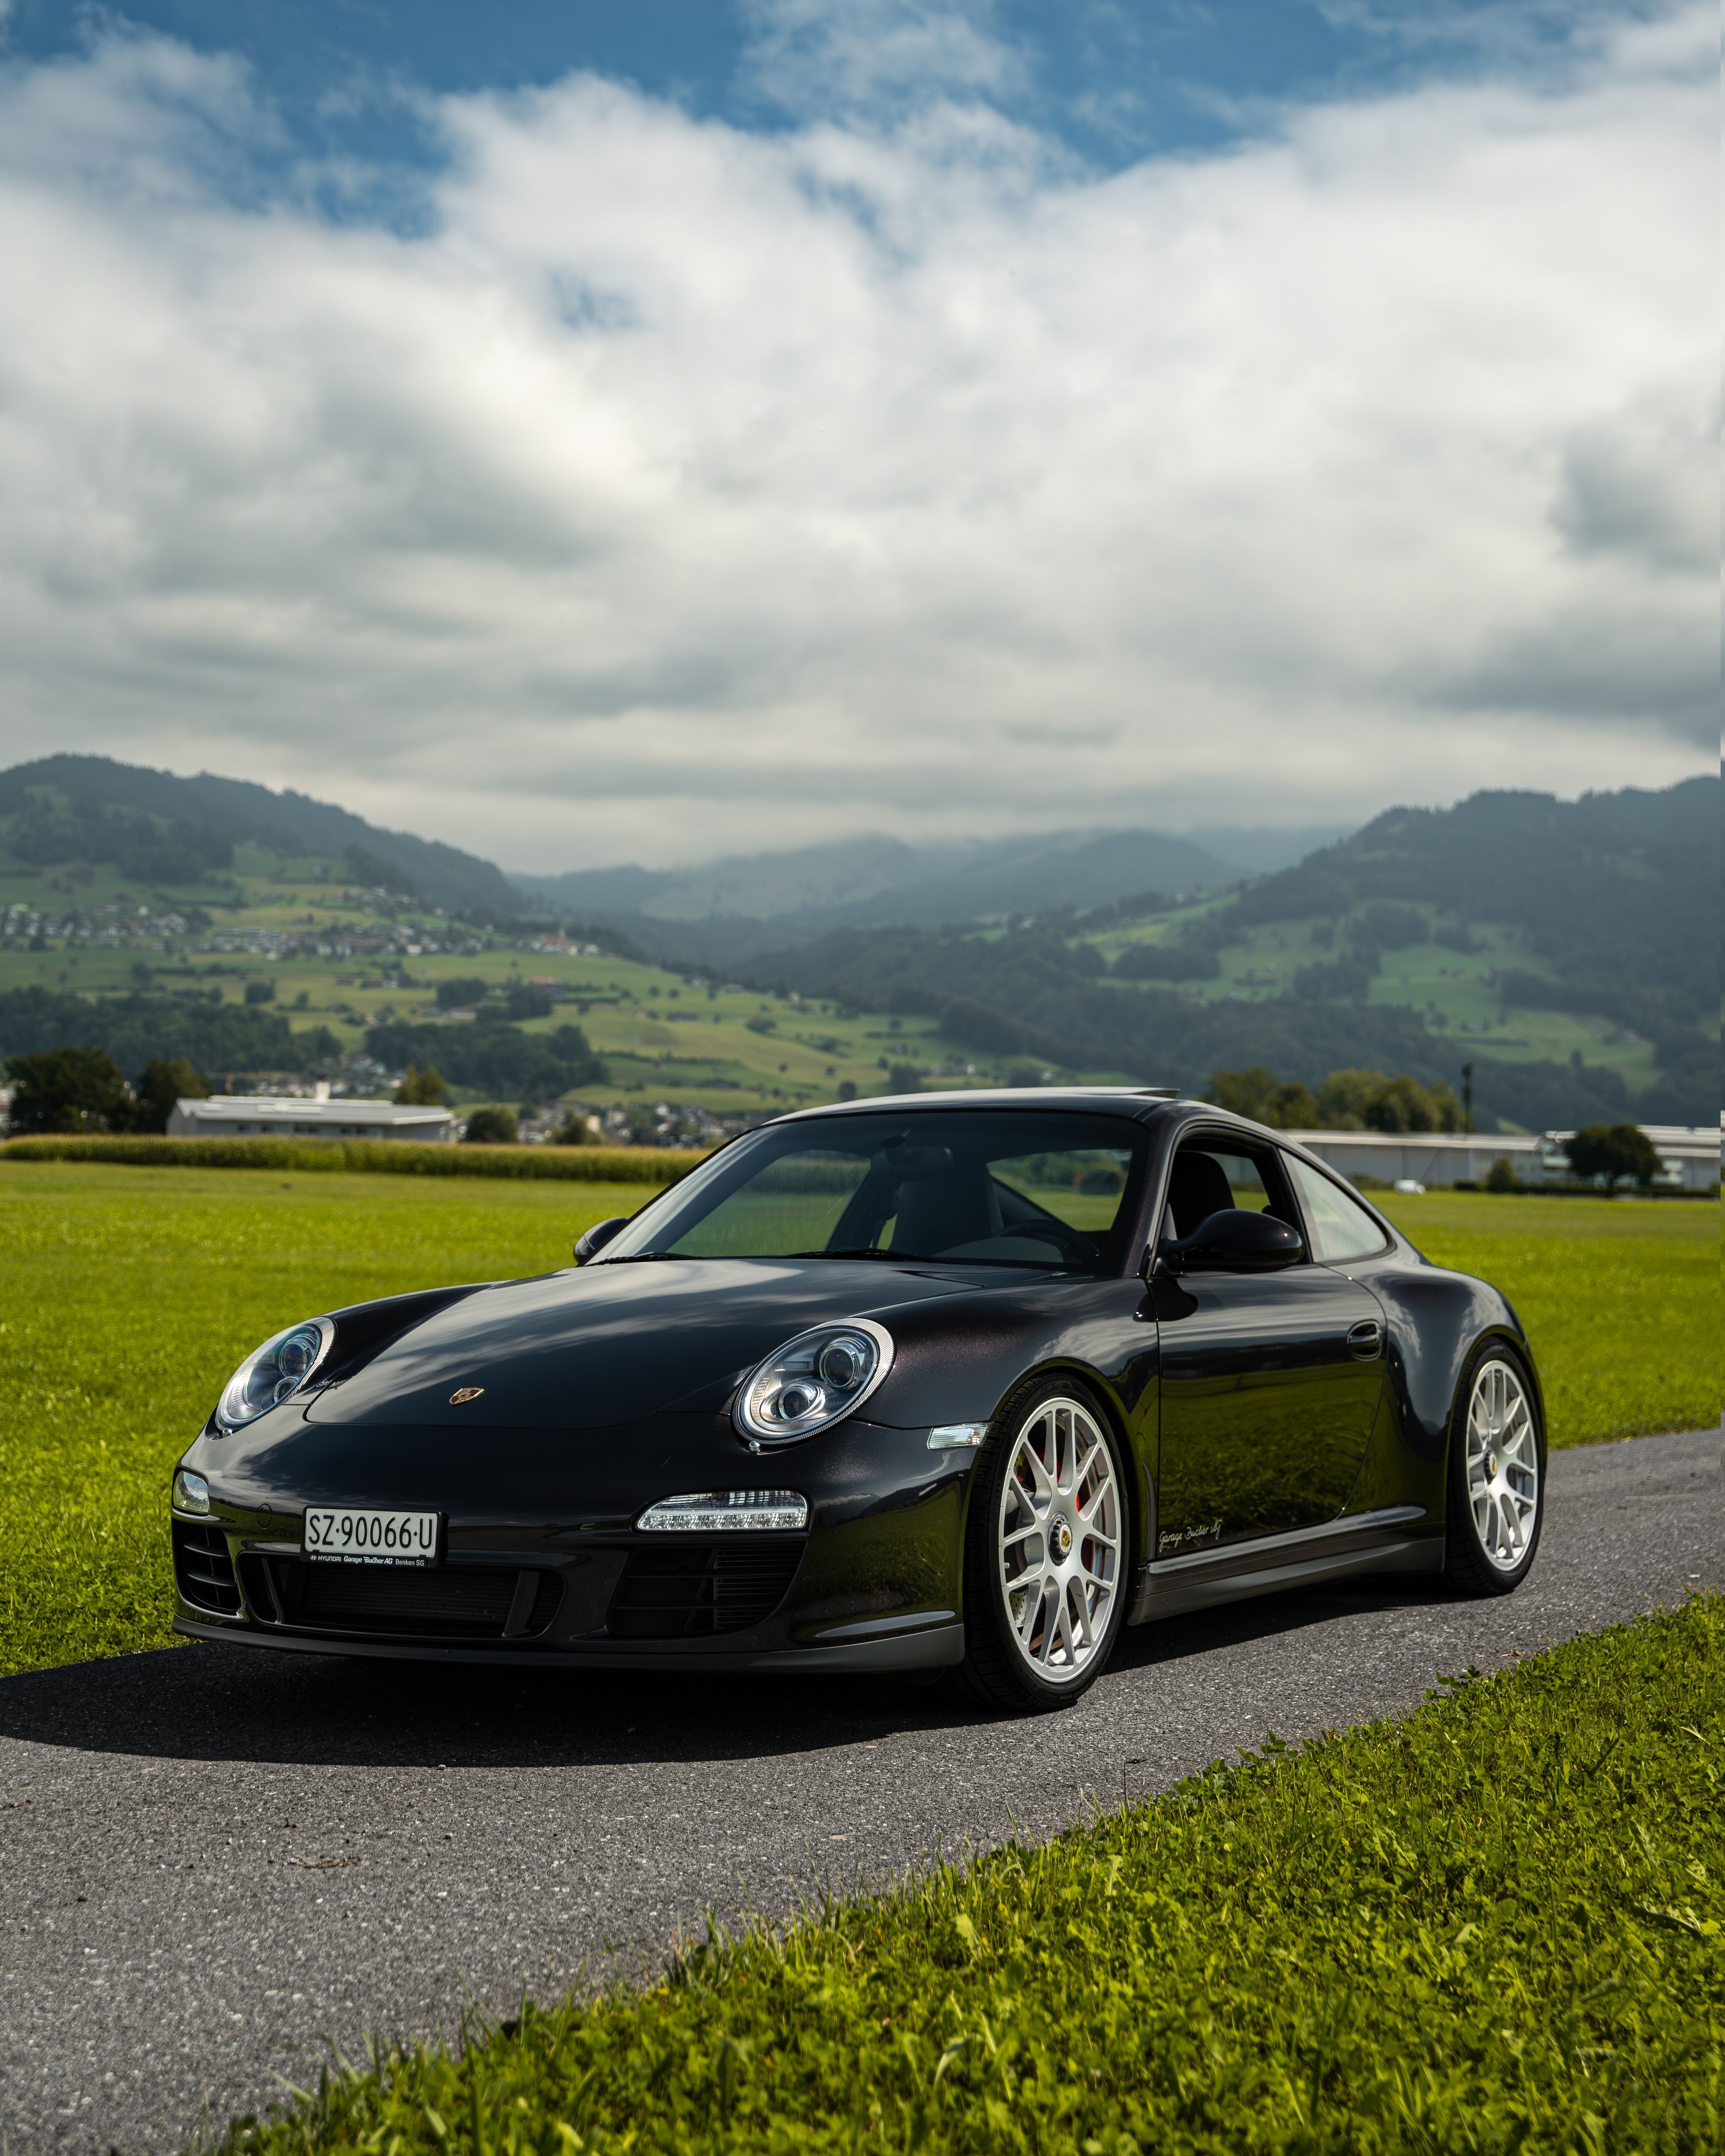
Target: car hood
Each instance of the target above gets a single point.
(609, 1344)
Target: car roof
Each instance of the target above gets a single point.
(1136, 1100)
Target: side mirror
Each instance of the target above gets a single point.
(1234, 1242)
(596, 1238)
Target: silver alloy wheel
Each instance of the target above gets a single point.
(1503, 1465)
(1059, 1540)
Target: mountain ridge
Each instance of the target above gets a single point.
(57, 808)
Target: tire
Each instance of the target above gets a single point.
(1496, 1505)
(1048, 1520)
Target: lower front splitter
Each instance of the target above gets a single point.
(941, 1647)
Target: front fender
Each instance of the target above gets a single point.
(960, 1360)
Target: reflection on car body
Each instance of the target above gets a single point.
(957, 1383)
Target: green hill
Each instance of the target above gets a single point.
(80, 811)
(1568, 951)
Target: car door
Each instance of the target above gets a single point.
(1270, 1382)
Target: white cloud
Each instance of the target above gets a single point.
(823, 55)
(677, 489)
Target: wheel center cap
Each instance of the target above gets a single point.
(1060, 1539)
(1492, 1465)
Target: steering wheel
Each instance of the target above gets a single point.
(1071, 1242)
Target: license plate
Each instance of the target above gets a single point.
(343, 1534)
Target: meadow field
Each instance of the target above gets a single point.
(127, 1294)
(1620, 1299)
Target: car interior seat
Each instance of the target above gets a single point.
(937, 1212)
(1198, 1187)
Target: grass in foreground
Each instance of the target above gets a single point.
(1496, 1926)
(127, 1296)
(1620, 1298)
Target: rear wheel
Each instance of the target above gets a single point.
(1046, 1552)
(1496, 1493)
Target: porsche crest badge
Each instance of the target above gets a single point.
(464, 1394)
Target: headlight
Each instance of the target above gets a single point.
(275, 1371)
(813, 1381)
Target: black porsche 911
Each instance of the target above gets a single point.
(953, 1383)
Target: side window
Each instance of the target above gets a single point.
(1212, 1176)
(1340, 1229)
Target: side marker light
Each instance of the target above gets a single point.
(191, 1492)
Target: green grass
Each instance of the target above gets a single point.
(305, 1156)
(1620, 1299)
(126, 1298)
(1494, 1926)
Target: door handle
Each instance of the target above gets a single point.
(1365, 1340)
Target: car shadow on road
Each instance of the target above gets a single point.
(206, 1701)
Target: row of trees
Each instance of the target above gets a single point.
(66, 1092)
(1346, 1101)
(1372, 1101)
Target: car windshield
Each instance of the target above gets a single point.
(963, 1186)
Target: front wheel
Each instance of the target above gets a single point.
(1046, 1552)
(1496, 1493)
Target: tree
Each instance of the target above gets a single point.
(903, 1078)
(158, 1086)
(1404, 1104)
(260, 991)
(574, 1130)
(66, 1090)
(377, 873)
(1371, 1101)
(1503, 1174)
(459, 994)
(491, 1127)
(423, 1088)
(1258, 1094)
(1614, 1151)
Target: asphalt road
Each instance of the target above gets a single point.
(213, 1854)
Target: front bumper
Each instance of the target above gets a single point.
(537, 1580)
(940, 1647)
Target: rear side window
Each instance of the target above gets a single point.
(1340, 1228)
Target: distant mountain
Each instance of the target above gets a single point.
(726, 911)
(1618, 894)
(758, 887)
(1258, 849)
(164, 829)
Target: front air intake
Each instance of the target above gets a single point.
(691, 1590)
(444, 1602)
(203, 1568)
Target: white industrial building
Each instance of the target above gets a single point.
(280, 1116)
(1690, 1156)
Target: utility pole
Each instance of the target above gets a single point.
(1467, 1098)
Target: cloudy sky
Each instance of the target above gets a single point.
(590, 430)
